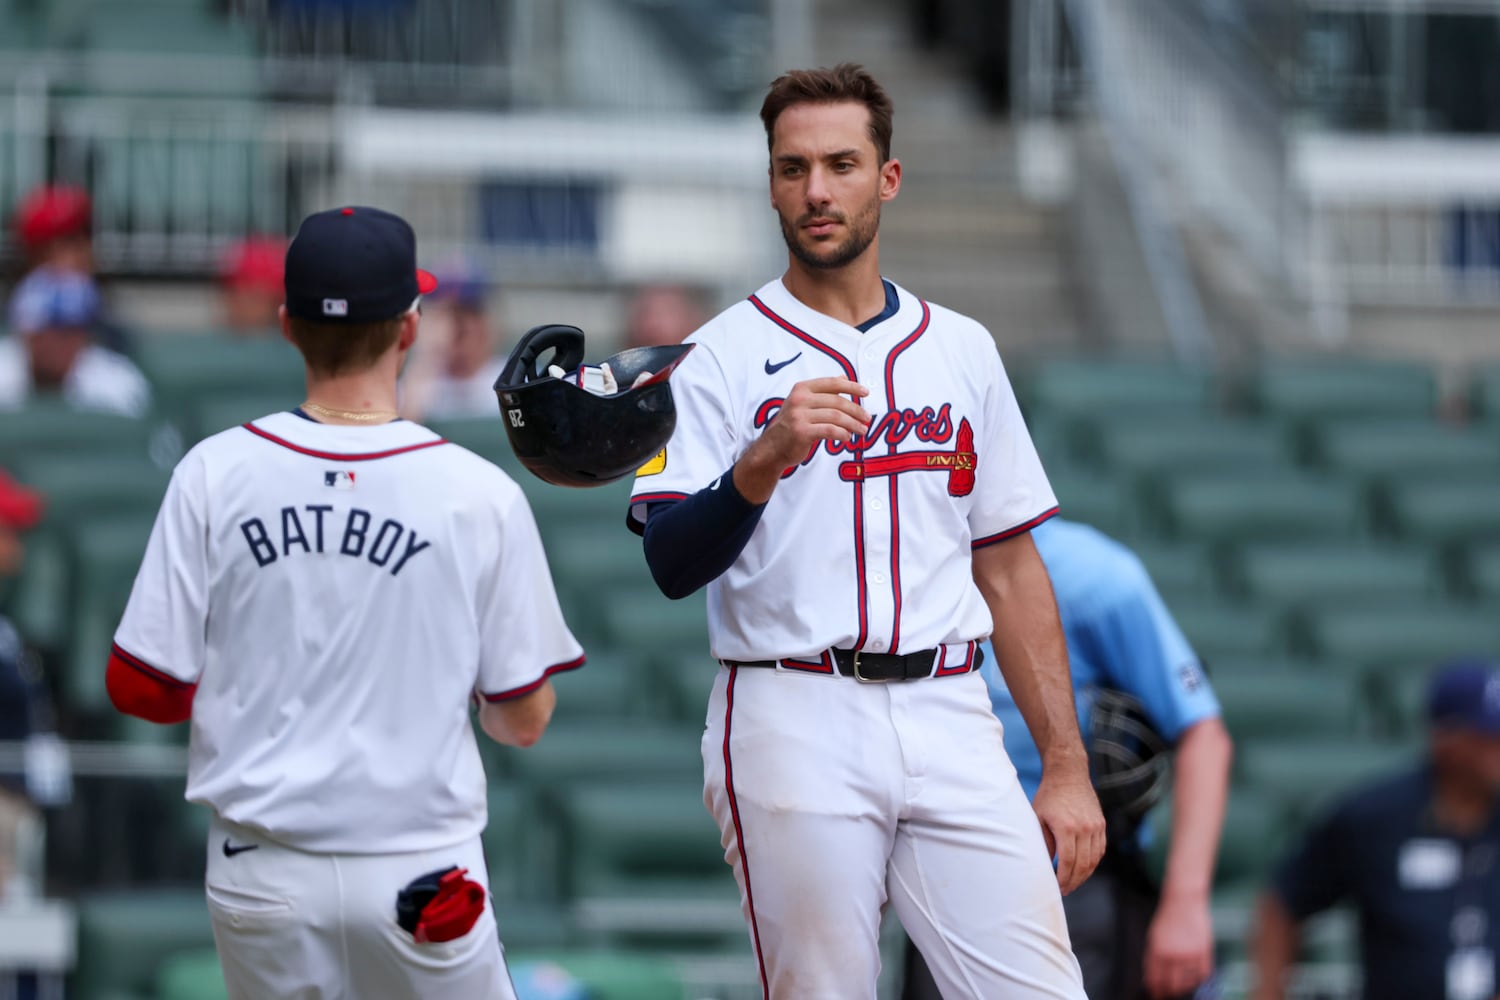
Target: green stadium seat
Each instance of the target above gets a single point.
(594, 564)
(1053, 440)
(621, 836)
(1217, 628)
(1247, 507)
(1136, 445)
(79, 488)
(688, 680)
(1409, 450)
(49, 428)
(521, 844)
(219, 413)
(609, 686)
(189, 370)
(1484, 395)
(1249, 846)
(1250, 665)
(646, 866)
(1482, 571)
(622, 751)
(193, 975)
(1400, 701)
(559, 510)
(1179, 569)
(485, 437)
(1399, 637)
(1272, 705)
(612, 975)
(1094, 499)
(39, 602)
(1459, 511)
(123, 938)
(1318, 390)
(529, 927)
(656, 629)
(1325, 574)
(107, 554)
(1304, 776)
(1076, 388)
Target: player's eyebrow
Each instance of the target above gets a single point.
(796, 158)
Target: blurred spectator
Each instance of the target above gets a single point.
(1417, 854)
(663, 315)
(455, 362)
(51, 349)
(252, 287)
(54, 227)
(1132, 939)
(20, 700)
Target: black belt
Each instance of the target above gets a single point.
(863, 665)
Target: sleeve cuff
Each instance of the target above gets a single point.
(525, 689)
(1019, 529)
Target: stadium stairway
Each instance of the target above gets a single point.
(960, 233)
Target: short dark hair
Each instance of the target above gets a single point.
(343, 348)
(844, 82)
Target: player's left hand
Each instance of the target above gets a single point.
(1072, 823)
(1179, 945)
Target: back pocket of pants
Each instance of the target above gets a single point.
(240, 908)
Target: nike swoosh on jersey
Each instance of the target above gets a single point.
(773, 369)
(230, 850)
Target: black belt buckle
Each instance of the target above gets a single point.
(854, 667)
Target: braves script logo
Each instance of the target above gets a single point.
(927, 425)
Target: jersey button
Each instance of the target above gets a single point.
(878, 644)
(875, 504)
(879, 578)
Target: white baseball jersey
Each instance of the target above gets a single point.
(865, 545)
(337, 594)
(100, 379)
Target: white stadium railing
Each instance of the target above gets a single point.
(1334, 220)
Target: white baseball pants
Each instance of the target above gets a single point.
(300, 926)
(834, 797)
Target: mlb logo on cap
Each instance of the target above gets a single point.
(353, 265)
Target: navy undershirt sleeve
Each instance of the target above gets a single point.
(690, 542)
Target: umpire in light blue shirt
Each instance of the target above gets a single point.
(1132, 939)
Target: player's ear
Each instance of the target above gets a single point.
(408, 331)
(286, 327)
(890, 179)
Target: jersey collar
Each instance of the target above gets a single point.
(898, 323)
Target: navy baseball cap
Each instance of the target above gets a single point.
(353, 265)
(1465, 694)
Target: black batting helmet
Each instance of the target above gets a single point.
(1127, 756)
(568, 436)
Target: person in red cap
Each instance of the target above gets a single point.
(20, 510)
(250, 284)
(53, 225)
(54, 230)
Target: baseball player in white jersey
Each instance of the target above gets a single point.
(851, 478)
(324, 594)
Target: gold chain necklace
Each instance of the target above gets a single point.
(358, 416)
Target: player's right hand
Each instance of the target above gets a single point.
(819, 409)
(1072, 824)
